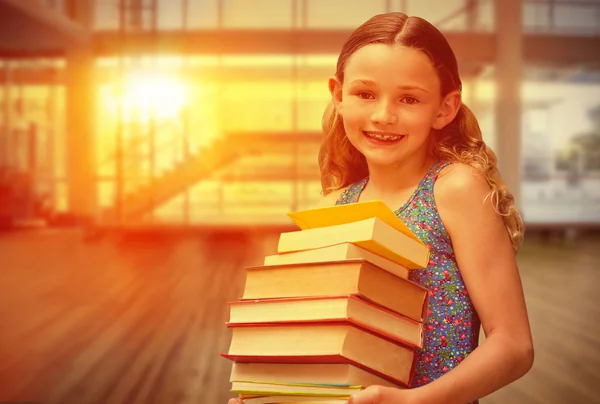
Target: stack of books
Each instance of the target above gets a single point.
(333, 311)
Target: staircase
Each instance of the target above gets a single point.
(200, 166)
(196, 167)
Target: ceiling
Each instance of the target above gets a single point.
(31, 27)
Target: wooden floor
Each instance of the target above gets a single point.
(141, 320)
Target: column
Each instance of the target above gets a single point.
(472, 15)
(81, 112)
(509, 72)
(6, 149)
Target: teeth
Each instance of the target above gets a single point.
(382, 137)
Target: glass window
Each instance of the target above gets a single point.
(255, 114)
(106, 194)
(485, 20)
(536, 17)
(479, 95)
(106, 15)
(170, 14)
(257, 14)
(561, 150)
(202, 14)
(450, 16)
(561, 17)
(172, 211)
(577, 18)
(333, 14)
(61, 197)
(314, 97)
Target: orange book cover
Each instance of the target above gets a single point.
(352, 212)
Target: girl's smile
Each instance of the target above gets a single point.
(379, 138)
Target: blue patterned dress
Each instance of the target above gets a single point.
(451, 330)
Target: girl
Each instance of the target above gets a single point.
(397, 131)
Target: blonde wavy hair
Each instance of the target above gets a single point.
(461, 141)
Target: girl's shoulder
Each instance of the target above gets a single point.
(459, 177)
(461, 191)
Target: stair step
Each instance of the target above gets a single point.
(173, 181)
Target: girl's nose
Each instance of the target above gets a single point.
(383, 115)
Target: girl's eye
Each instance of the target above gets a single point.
(409, 100)
(365, 96)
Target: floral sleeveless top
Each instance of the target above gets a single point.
(451, 329)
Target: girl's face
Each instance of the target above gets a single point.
(389, 102)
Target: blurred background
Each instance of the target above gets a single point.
(150, 150)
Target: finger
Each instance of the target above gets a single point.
(235, 401)
(371, 395)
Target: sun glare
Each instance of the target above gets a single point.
(146, 95)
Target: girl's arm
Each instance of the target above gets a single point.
(487, 263)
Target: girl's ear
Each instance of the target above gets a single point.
(335, 88)
(448, 110)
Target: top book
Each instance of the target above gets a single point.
(352, 212)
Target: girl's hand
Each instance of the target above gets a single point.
(235, 401)
(383, 395)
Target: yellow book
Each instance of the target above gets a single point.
(323, 343)
(252, 387)
(372, 234)
(292, 399)
(352, 212)
(341, 374)
(337, 252)
(337, 279)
